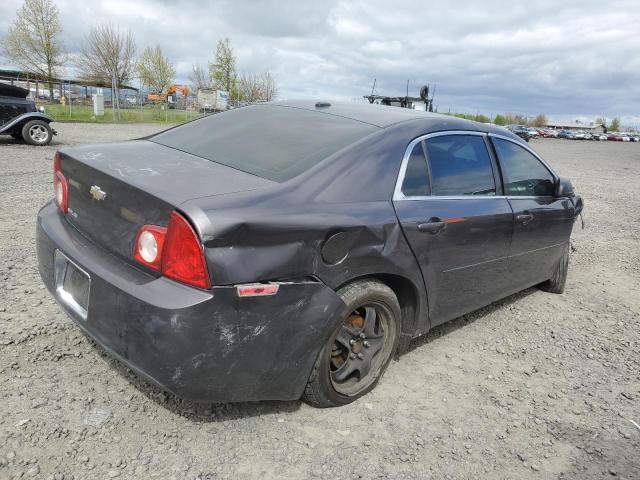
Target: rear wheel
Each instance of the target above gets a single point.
(359, 351)
(36, 132)
(557, 282)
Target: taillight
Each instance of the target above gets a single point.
(60, 185)
(183, 258)
(174, 251)
(149, 245)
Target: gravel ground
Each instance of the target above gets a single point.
(535, 386)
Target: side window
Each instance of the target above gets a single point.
(416, 177)
(524, 174)
(460, 165)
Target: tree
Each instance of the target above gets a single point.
(500, 120)
(223, 70)
(108, 56)
(602, 121)
(539, 121)
(257, 87)
(199, 78)
(482, 118)
(615, 125)
(33, 40)
(155, 70)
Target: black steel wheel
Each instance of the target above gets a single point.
(360, 349)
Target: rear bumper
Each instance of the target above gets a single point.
(208, 346)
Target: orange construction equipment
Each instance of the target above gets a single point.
(170, 94)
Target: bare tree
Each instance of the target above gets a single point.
(108, 58)
(155, 70)
(539, 121)
(257, 87)
(223, 70)
(33, 40)
(199, 78)
(269, 86)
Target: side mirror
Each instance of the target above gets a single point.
(564, 187)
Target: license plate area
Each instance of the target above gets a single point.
(72, 285)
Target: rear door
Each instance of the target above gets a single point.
(449, 202)
(543, 222)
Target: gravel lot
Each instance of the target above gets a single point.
(536, 386)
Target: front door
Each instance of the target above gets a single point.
(457, 222)
(543, 223)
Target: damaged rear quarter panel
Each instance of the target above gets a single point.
(278, 232)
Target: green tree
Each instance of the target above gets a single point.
(500, 120)
(482, 118)
(223, 69)
(615, 125)
(33, 40)
(155, 70)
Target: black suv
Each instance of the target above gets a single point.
(20, 118)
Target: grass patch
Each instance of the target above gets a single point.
(148, 114)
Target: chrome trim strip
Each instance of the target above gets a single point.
(61, 261)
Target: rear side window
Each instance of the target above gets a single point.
(416, 177)
(523, 173)
(460, 165)
(270, 141)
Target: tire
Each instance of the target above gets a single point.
(37, 132)
(557, 282)
(373, 336)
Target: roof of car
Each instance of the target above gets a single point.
(384, 116)
(378, 115)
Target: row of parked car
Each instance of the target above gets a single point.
(527, 133)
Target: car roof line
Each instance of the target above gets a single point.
(326, 113)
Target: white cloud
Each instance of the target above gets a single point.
(573, 58)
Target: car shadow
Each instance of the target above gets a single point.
(197, 412)
(460, 322)
(222, 412)
(8, 140)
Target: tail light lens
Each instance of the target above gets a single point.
(183, 258)
(149, 245)
(174, 251)
(60, 185)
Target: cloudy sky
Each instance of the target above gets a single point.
(568, 59)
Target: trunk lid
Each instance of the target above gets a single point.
(114, 189)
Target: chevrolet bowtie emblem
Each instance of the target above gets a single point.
(97, 193)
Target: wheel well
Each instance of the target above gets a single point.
(407, 298)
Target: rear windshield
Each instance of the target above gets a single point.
(269, 141)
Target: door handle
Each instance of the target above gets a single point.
(434, 226)
(524, 218)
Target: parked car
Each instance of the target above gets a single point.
(616, 137)
(599, 136)
(579, 135)
(549, 133)
(521, 131)
(568, 134)
(20, 118)
(246, 268)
